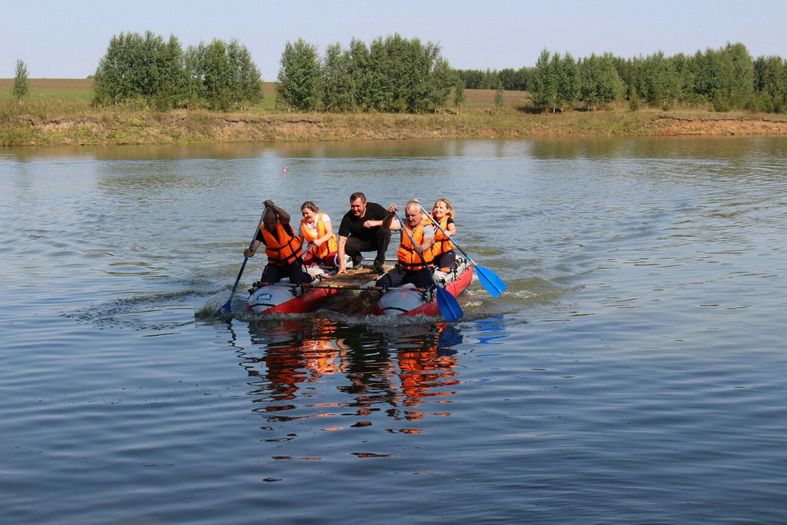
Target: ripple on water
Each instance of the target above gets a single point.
(633, 372)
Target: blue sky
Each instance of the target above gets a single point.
(66, 38)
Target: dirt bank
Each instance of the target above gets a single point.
(106, 127)
(678, 126)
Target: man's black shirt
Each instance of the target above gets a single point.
(353, 226)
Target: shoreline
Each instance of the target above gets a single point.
(103, 127)
(59, 113)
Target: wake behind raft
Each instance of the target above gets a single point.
(284, 297)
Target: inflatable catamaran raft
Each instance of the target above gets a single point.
(287, 298)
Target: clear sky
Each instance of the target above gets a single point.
(67, 38)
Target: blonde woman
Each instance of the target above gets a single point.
(443, 252)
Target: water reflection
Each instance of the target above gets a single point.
(657, 147)
(539, 148)
(492, 330)
(352, 376)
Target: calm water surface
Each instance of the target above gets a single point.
(635, 372)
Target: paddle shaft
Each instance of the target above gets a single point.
(449, 307)
(489, 279)
(415, 246)
(246, 259)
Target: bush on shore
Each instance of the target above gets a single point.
(146, 67)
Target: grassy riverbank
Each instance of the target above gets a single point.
(58, 112)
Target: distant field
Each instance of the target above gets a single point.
(53, 89)
(80, 90)
(485, 98)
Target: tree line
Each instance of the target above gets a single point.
(392, 74)
(395, 74)
(219, 75)
(509, 79)
(727, 78)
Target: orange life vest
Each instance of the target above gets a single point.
(325, 249)
(442, 244)
(409, 259)
(283, 249)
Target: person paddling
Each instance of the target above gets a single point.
(316, 229)
(282, 247)
(415, 248)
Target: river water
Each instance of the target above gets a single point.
(634, 372)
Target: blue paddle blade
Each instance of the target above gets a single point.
(225, 308)
(448, 305)
(490, 281)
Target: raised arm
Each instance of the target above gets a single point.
(284, 217)
(391, 222)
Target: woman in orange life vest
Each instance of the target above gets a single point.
(316, 228)
(443, 253)
(282, 247)
(413, 259)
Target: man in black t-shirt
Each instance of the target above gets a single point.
(360, 232)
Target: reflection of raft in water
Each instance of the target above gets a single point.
(287, 298)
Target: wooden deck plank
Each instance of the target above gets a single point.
(352, 279)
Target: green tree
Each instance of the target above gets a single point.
(170, 79)
(784, 87)
(223, 75)
(459, 94)
(703, 67)
(144, 67)
(378, 91)
(397, 75)
(393, 76)
(336, 85)
(525, 78)
(114, 80)
(725, 76)
(360, 71)
(509, 79)
(741, 79)
(499, 97)
(544, 90)
(418, 89)
(299, 76)
(682, 65)
(600, 83)
(769, 83)
(660, 82)
(439, 80)
(21, 85)
(471, 78)
(568, 81)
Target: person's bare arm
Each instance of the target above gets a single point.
(284, 217)
(340, 255)
(390, 222)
